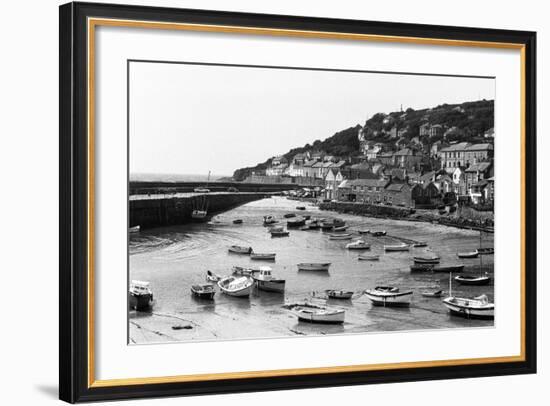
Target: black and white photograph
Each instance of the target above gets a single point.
(269, 201)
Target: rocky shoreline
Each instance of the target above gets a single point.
(401, 213)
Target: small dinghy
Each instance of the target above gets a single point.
(432, 293)
(397, 247)
(134, 229)
(297, 222)
(346, 236)
(363, 231)
(237, 286)
(358, 245)
(318, 314)
(471, 254)
(389, 296)
(289, 215)
(238, 249)
(237, 221)
(140, 295)
(212, 277)
(314, 266)
(420, 244)
(269, 220)
(242, 271)
(267, 282)
(436, 268)
(300, 207)
(378, 233)
(473, 280)
(279, 233)
(205, 291)
(263, 256)
(368, 257)
(426, 260)
(339, 294)
(476, 308)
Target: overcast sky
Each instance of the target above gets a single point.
(187, 119)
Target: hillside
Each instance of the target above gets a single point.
(468, 121)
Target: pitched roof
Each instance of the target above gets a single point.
(317, 164)
(310, 163)
(369, 182)
(461, 146)
(479, 167)
(480, 147)
(396, 187)
(427, 177)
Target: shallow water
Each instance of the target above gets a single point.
(174, 258)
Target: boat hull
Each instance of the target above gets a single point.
(479, 281)
(331, 318)
(263, 257)
(205, 295)
(467, 255)
(402, 299)
(389, 248)
(435, 268)
(313, 267)
(245, 292)
(460, 310)
(277, 285)
(140, 302)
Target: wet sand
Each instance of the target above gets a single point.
(174, 258)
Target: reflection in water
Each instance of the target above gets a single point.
(174, 258)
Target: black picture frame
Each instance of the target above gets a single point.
(74, 385)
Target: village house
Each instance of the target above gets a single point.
(333, 178)
(360, 171)
(436, 148)
(436, 130)
(318, 169)
(425, 195)
(477, 172)
(309, 170)
(458, 177)
(367, 190)
(424, 130)
(444, 183)
(276, 170)
(407, 158)
(465, 154)
(371, 151)
(398, 194)
(478, 153)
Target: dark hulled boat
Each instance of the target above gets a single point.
(140, 295)
(436, 268)
(205, 291)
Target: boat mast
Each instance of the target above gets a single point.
(480, 256)
(208, 180)
(450, 284)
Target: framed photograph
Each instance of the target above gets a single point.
(260, 202)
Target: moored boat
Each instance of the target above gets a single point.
(389, 296)
(358, 245)
(339, 294)
(289, 215)
(426, 260)
(269, 220)
(345, 236)
(140, 295)
(204, 291)
(436, 268)
(237, 286)
(242, 271)
(267, 282)
(134, 229)
(263, 256)
(314, 266)
(473, 280)
(238, 249)
(396, 247)
(368, 257)
(300, 207)
(432, 293)
(279, 233)
(470, 254)
(485, 251)
(378, 233)
(363, 231)
(212, 277)
(479, 307)
(420, 244)
(237, 221)
(297, 222)
(318, 314)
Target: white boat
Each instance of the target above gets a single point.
(238, 286)
(477, 308)
(338, 229)
(318, 314)
(140, 295)
(259, 256)
(363, 231)
(339, 294)
(346, 236)
(134, 229)
(267, 282)
(470, 254)
(238, 249)
(473, 280)
(397, 247)
(358, 245)
(242, 271)
(269, 220)
(314, 266)
(432, 293)
(389, 296)
(212, 277)
(201, 190)
(368, 257)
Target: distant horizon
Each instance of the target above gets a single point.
(187, 120)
